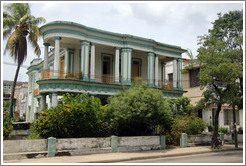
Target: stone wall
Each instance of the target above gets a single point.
(138, 143)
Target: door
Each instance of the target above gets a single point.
(106, 69)
(62, 68)
(135, 69)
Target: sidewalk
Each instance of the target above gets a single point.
(126, 156)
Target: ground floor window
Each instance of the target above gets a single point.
(228, 117)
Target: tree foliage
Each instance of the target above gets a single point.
(138, 110)
(19, 24)
(221, 62)
(7, 125)
(180, 105)
(77, 116)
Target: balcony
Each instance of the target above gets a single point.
(100, 85)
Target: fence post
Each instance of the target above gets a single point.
(114, 143)
(163, 142)
(51, 147)
(183, 140)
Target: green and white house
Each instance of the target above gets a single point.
(80, 59)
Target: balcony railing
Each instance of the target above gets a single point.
(108, 79)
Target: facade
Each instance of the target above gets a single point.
(21, 94)
(79, 59)
(190, 83)
(20, 97)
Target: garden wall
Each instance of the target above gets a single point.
(15, 149)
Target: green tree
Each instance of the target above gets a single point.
(180, 105)
(221, 60)
(18, 25)
(138, 110)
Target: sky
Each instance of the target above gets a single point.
(175, 23)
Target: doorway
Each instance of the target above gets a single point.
(106, 68)
(61, 75)
(136, 68)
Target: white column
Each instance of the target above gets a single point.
(175, 73)
(54, 100)
(126, 65)
(163, 72)
(66, 63)
(92, 76)
(117, 64)
(85, 60)
(156, 70)
(150, 69)
(46, 50)
(180, 74)
(42, 102)
(56, 57)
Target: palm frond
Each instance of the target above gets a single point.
(12, 40)
(33, 38)
(6, 32)
(36, 21)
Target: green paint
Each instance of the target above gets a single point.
(163, 142)
(118, 36)
(183, 140)
(51, 147)
(114, 144)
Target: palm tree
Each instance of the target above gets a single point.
(18, 25)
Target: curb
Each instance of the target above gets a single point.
(162, 155)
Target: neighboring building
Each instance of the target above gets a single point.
(97, 62)
(190, 83)
(20, 97)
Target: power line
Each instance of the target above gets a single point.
(13, 64)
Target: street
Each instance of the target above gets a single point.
(215, 157)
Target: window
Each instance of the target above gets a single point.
(170, 77)
(194, 80)
(6, 86)
(228, 117)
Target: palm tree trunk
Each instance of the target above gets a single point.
(215, 141)
(13, 91)
(235, 126)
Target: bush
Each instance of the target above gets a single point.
(21, 126)
(240, 130)
(210, 128)
(7, 125)
(77, 116)
(191, 125)
(223, 130)
(138, 110)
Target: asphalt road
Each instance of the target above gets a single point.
(215, 157)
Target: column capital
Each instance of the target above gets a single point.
(83, 42)
(93, 43)
(175, 58)
(46, 44)
(151, 53)
(117, 48)
(157, 55)
(57, 38)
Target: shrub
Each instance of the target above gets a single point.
(223, 130)
(7, 125)
(186, 124)
(240, 130)
(210, 128)
(21, 126)
(77, 116)
(138, 110)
